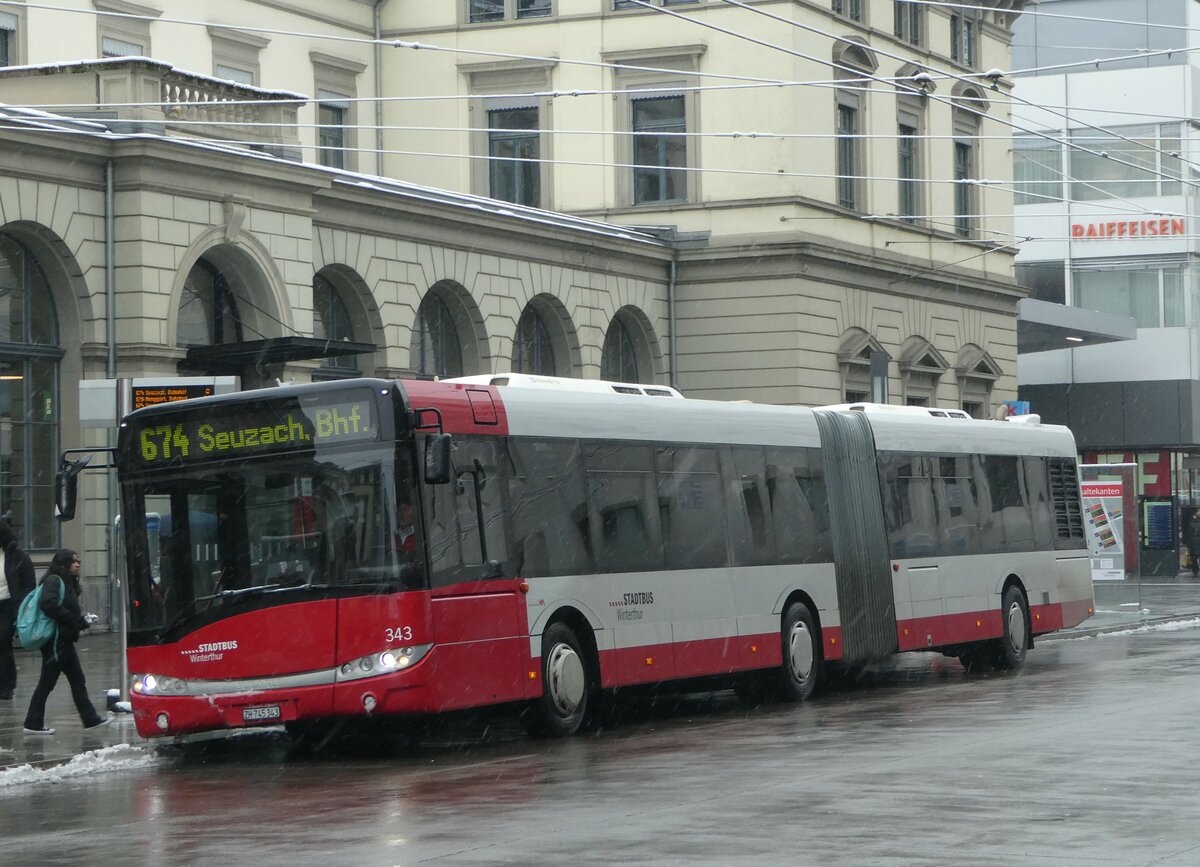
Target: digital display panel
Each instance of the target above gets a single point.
(243, 429)
(143, 395)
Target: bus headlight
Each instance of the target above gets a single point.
(383, 662)
(157, 684)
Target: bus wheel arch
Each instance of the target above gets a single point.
(800, 633)
(570, 677)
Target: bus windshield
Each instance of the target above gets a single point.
(242, 535)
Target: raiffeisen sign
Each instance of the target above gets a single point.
(1129, 229)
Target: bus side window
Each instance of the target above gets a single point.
(689, 507)
(799, 509)
(454, 518)
(748, 506)
(909, 508)
(955, 499)
(622, 508)
(1009, 527)
(1038, 488)
(549, 508)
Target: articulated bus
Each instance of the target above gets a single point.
(366, 548)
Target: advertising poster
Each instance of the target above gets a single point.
(1102, 519)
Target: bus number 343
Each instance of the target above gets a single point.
(400, 633)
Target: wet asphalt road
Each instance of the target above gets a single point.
(1087, 756)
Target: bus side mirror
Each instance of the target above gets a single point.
(437, 459)
(66, 488)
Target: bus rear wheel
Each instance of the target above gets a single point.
(1015, 643)
(801, 667)
(561, 709)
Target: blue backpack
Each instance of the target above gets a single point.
(34, 626)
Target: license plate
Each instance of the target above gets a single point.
(258, 714)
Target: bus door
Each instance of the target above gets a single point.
(477, 604)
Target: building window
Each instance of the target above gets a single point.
(1134, 164)
(486, 10)
(921, 369)
(29, 397)
(907, 24)
(234, 74)
(126, 32)
(847, 155)
(964, 193)
(113, 47)
(1037, 170)
(436, 348)
(1046, 281)
(853, 64)
(626, 4)
(963, 35)
(977, 373)
(332, 322)
(907, 156)
(508, 127)
(1152, 295)
(336, 81)
(514, 170)
(483, 11)
(970, 107)
(208, 310)
(659, 149)
(8, 39)
(852, 9)
(236, 55)
(331, 129)
(619, 361)
(655, 153)
(533, 351)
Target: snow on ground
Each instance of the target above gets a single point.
(121, 757)
(1165, 626)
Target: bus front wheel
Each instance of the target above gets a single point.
(561, 709)
(801, 653)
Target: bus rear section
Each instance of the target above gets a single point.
(984, 533)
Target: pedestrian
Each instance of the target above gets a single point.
(19, 579)
(59, 655)
(1193, 541)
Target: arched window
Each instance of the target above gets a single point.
(331, 321)
(436, 349)
(29, 355)
(532, 350)
(208, 314)
(619, 361)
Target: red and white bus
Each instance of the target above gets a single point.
(364, 548)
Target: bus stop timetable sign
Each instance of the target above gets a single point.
(150, 395)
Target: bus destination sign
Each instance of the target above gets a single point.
(268, 426)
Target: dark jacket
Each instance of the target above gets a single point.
(18, 572)
(67, 613)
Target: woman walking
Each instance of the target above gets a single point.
(60, 600)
